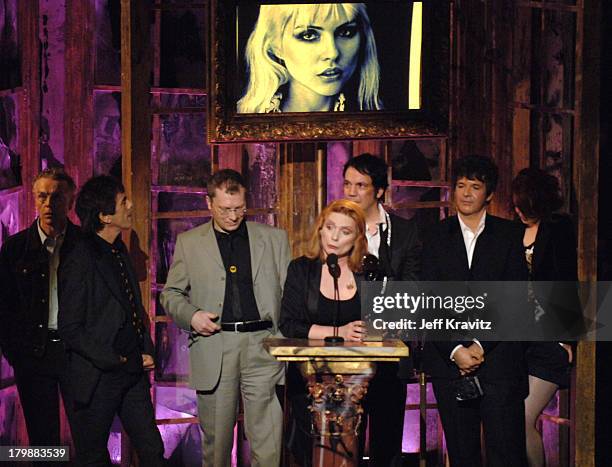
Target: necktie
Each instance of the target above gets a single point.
(125, 283)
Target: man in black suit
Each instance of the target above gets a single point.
(29, 305)
(476, 246)
(102, 322)
(394, 241)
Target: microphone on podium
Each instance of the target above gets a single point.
(334, 270)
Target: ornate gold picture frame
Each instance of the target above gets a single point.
(380, 68)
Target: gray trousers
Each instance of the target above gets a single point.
(247, 370)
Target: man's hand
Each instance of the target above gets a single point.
(353, 331)
(467, 359)
(203, 322)
(147, 362)
(477, 352)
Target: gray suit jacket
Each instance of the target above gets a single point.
(196, 281)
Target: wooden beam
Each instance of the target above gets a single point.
(586, 181)
(299, 189)
(521, 72)
(229, 156)
(29, 104)
(78, 107)
(501, 19)
(136, 145)
(136, 130)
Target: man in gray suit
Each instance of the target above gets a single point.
(225, 287)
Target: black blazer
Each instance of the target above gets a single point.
(555, 259)
(402, 261)
(92, 310)
(301, 296)
(498, 256)
(24, 290)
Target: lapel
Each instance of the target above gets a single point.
(72, 235)
(485, 245)
(457, 248)
(384, 253)
(109, 275)
(135, 285)
(257, 246)
(313, 285)
(541, 241)
(482, 245)
(35, 254)
(210, 246)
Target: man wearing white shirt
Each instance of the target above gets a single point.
(394, 241)
(29, 305)
(476, 246)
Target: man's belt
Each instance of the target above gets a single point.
(246, 326)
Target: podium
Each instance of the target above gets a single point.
(336, 377)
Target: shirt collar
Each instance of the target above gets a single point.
(382, 218)
(109, 247)
(52, 241)
(466, 230)
(382, 215)
(241, 231)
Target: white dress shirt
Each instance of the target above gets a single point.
(53, 246)
(374, 237)
(469, 239)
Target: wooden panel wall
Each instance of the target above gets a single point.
(78, 107)
(299, 187)
(585, 180)
(136, 131)
(29, 110)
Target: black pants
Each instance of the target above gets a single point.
(39, 383)
(386, 403)
(127, 395)
(502, 413)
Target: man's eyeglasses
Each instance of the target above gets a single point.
(225, 212)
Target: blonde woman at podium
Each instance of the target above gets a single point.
(311, 306)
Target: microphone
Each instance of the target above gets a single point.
(334, 271)
(370, 267)
(332, 265)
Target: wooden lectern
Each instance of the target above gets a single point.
(337, 378)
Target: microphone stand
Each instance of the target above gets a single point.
(335, 339)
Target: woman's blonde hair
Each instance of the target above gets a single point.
(267, 72)
(360, 247)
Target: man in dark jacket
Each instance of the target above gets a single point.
(476, 246)
(29, 305)
(104, 326)
(394, 241)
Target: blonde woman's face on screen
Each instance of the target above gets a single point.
(320, 55)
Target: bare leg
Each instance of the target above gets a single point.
(540, 394)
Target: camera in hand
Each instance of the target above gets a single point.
(467, 388)
(370, 267)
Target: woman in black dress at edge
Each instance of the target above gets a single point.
(550, 250)
(307, 307)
